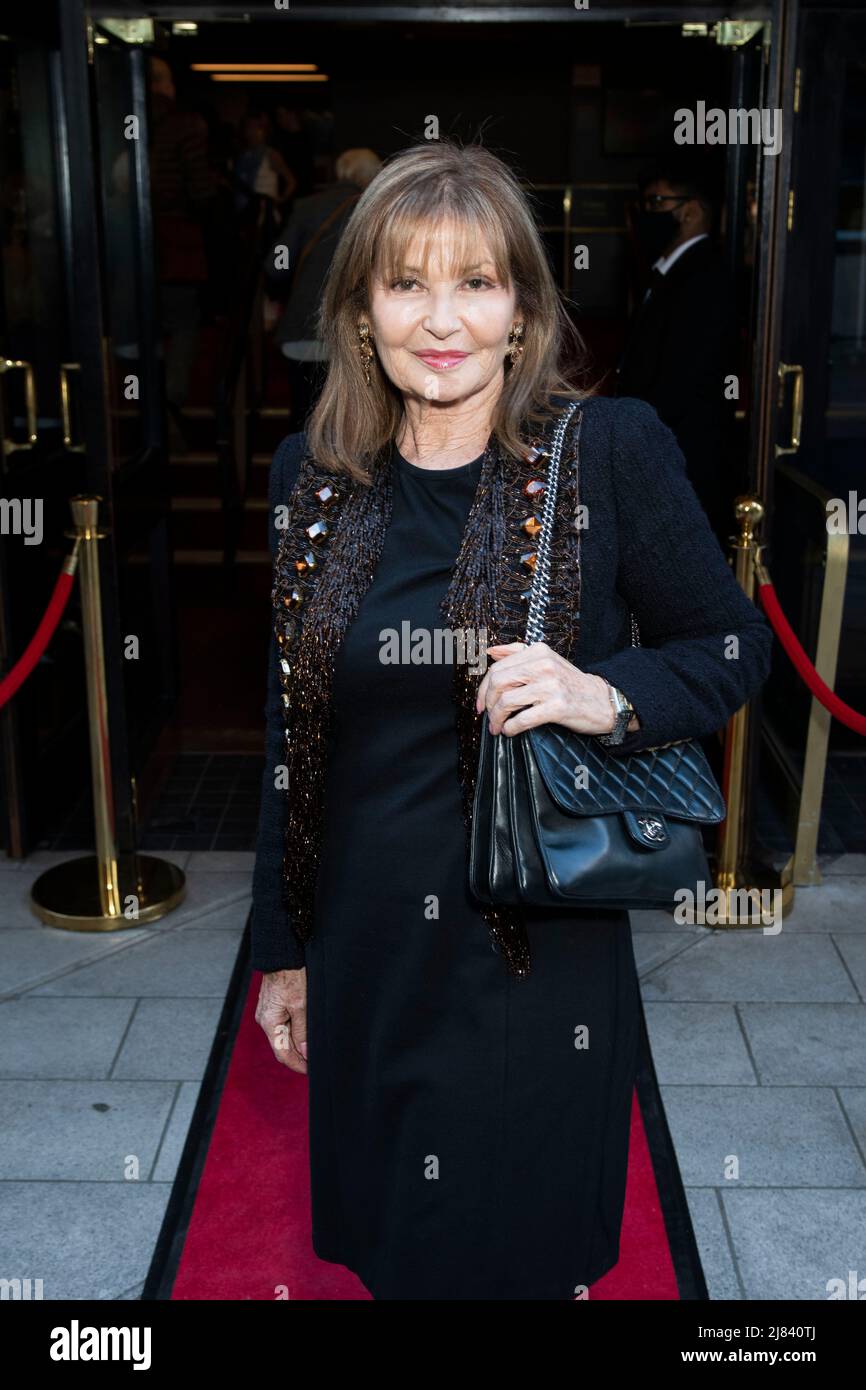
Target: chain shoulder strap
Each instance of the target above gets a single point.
(541, 578)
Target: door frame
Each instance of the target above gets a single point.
(780, 19)
(87, 306)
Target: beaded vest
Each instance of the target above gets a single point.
(326, 557)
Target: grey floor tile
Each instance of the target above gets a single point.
(207, 891)
(844, 864)
(168, 1040)
(654, 948)
(225, 861)
(739, 965)
(853, 1101)
(57, 1038)
(797, 1245)
(82, 1130)
(807, 1044)
(786, 1136)
(713, 1244)
(698, 1043)
(176, 1132)
(84, 1240)
(852, 949)
(838, 904)
(178, 964)
(227, 917)
(38, 954)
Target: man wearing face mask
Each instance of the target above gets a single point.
(681, 345)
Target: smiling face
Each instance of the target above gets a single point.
(441, 329)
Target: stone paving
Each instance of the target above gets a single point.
(759, 1043)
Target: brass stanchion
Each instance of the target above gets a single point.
(105, 891)
(738, 877)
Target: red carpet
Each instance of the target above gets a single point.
(249, 1233)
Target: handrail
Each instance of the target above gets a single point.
(567, 228)
(232, 408)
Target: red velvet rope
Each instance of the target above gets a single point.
(40, 639)
(786, 635)
(767, 593)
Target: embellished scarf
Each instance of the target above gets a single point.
(326, 559)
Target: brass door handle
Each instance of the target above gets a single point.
(65, 410)
(789, 369)
(8, 364)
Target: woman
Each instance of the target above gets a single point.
(259, 168)
(465, 1141)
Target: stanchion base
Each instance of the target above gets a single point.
(729, 905)
(68, 895)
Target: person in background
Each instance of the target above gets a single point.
(294, 143)
(301, 257)
(680, 350)
(183, 188)
(260, 168)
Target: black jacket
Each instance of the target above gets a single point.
(648, 548)
(680, 348)
(307, 216)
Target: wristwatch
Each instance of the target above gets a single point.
(623, 710)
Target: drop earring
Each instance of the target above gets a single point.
(515, 345)
(365, 349)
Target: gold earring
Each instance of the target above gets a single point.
(365, 349)
(515, 346)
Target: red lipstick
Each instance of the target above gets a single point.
(441, 361)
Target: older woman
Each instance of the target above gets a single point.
(465, 1141)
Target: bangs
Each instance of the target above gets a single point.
(469, 236)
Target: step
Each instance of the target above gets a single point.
(199, 475)
(197, 524)
(214, 504)
(207, 558)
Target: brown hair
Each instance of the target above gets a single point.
(424, 187)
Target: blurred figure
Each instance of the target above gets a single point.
(293, 141)
(222, 229)
(183, 186)
(307, 242)
(260, 167)
(681, 345)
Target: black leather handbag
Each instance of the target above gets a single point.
(558, 820)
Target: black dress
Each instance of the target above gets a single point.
(468, 1130)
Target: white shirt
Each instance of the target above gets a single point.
(664, 263)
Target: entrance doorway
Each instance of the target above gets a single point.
(579, 101)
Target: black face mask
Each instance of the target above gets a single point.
(655, 231)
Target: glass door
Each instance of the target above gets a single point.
(817, 383)
(43, 731)
(81, 406)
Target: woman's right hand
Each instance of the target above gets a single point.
(282, 1013)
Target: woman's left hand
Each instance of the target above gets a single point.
(533, 685)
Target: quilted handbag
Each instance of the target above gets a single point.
(559, 820)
